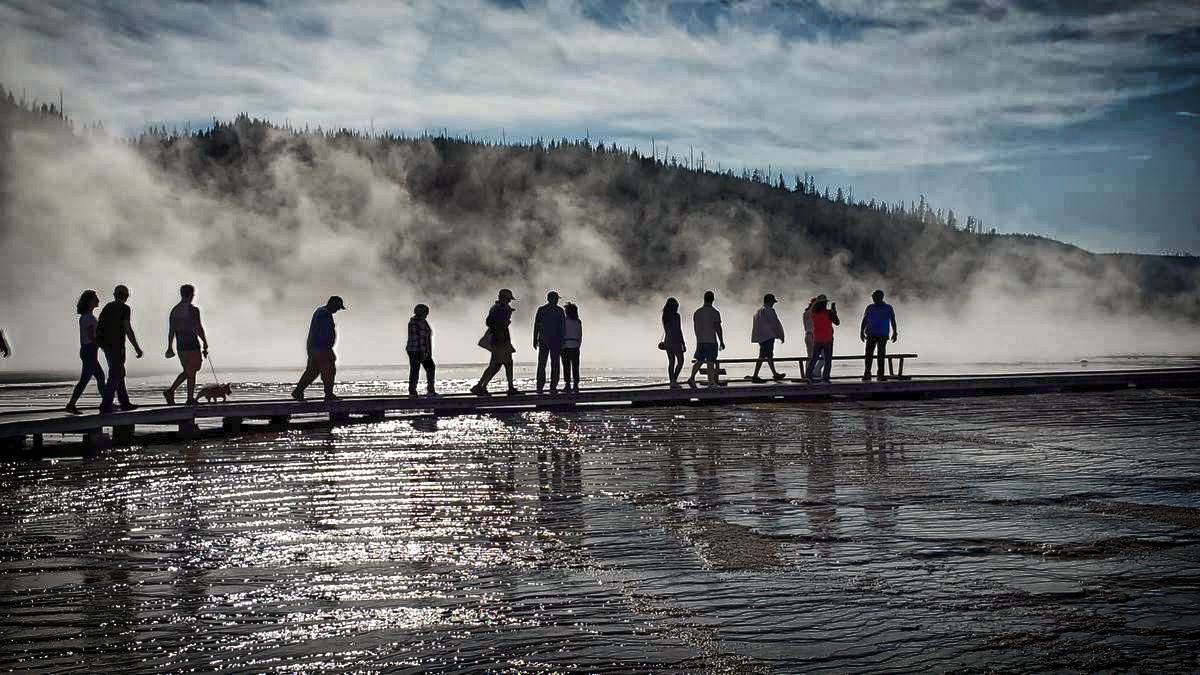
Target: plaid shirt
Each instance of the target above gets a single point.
(420, 337)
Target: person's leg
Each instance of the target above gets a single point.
(680, 360)
(414, 372)
(493, 367)
(814, 352)
(93, 363)
(84, 376)
(430, 368)
(110, 387)
(828, 357)
(508, 370)
(116, 371)
(556, 361)
(575, 367)
(327, 364)
(309, 376)
(543, 354)
(179, 379)
(192, 369)
(870, 353)
(882, 347)
(671, 367)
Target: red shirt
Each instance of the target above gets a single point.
(822, 326)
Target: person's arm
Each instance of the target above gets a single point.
(170, 336)
(833, 315)
(720, 334)
(778, 325)
(93, 334)
(862, 330)
(133, 338)
(537, 327)
(895, 330)
(200, 328)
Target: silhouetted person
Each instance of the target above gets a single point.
(112, 329)
(5, 348)
(89, 349)
(498, 340)
(808, 327)
(571, 341)
(420, 350)
(322, 335)
(548, 340)
(673, 342)
(877, 319)
(184, 325)
(709, 339)
(766, 330)
(824, 319)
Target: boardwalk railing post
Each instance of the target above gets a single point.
(188, 429)
(123, 436)
(38, 441)
(232, 425)
(278, 420)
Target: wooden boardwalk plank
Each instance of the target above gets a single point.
(232, 414)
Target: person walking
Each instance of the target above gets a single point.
(808, 327)
(877, 319)
(824, 317)
(672, 341)
(322, 336)
(548, 340)
(184, 326)
(765, 331)
(572, 338)
(706, 321)
(89, 349)
(420, 350)
(498, 341)
(113, 328)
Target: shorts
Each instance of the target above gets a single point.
(706, 351)
(766, 349)
(191, 360)
(187, 343)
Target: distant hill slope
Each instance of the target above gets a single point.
(450, 216)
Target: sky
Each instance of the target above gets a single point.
(1075, 119)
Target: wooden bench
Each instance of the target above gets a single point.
(895, 365)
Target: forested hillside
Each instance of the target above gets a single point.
(450, 216)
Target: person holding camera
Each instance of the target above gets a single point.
(824, 318)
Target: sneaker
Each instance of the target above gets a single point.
(412, 393)
(883, 378)
(866, 378)
(779, 376)
(758, 380)
(480, 391)
(554, 392)
(170, 396)
(73, 410)
(106, 410)
(691, 383)
(191, 401)
(332, 397)
(432, 394)
(298, 395)
(513, 391)
(826, 381)
(129, 406)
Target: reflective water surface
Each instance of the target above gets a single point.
(1057, 532)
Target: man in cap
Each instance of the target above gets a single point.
(112, 329)
(877, 320)
(767, 329)
(548, 339)
(322, 334)
(498, 341)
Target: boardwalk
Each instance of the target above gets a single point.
(184, 421)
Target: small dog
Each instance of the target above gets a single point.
(212, 392)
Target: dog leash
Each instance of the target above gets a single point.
(214, 371)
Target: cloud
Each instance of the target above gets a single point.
(1185, 113)
(913, 84)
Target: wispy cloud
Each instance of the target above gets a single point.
(1185, 113)
(914, 83)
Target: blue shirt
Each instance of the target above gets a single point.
(321, 332)
(879, 317)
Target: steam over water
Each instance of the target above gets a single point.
(992, 534)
